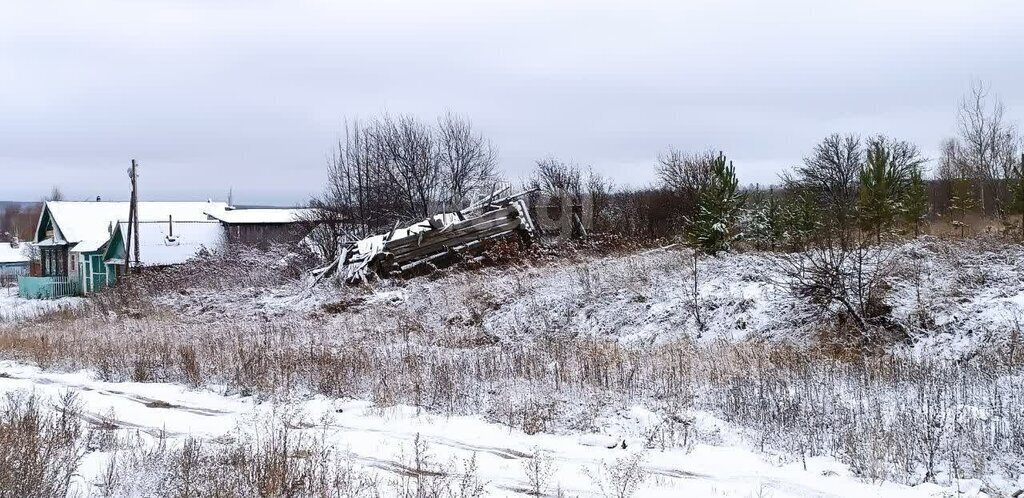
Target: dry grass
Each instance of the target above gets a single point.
(40, 448)
(277, 459)
(889, 417)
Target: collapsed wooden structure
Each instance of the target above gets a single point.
(436, 240)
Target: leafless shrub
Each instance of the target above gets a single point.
(275, 459)
(539, 469)
(190, 365)
(846, 285)
(686, 175)
(469, 485)
(39, 450)
(621, 478)
(420, 475)
(675, 431)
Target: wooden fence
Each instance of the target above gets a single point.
(48, 287)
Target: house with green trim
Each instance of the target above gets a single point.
(73, 239)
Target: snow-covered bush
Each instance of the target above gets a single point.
(40, 449)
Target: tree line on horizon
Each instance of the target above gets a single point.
(402, 168)
(392, 169)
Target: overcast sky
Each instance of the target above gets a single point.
(211, 95)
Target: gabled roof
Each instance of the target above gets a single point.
(261, 215)
(92, 221)
(158, 247)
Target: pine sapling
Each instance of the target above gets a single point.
(915, 206)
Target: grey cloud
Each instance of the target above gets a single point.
(252, 95)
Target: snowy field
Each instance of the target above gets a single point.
(380, 441)
(14, 308)
(583, 377)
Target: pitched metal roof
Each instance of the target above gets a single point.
(165, 243)
(261, 215)
(93, 221)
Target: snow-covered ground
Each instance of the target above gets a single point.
(486, 344)
(14, 308)
(378, 440)
(969, 292)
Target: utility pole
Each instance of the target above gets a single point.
(133, 221)
(135, 212)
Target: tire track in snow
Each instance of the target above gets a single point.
(150, 414)
(143, 400)
(505, 453)
(510, 453)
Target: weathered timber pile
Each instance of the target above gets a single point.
(436, 240)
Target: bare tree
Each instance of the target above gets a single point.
(905, 156)
(408, 149)
(361, 196)
(686, 173)
(985, 147)
(55, 194)
(585, 195)
(559, 199)
(394, 169)
(949, 167)
(599, 188)
(831, 173)
(468, 160)
(554, 177)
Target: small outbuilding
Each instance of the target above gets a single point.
(262, 226)
(14, 259)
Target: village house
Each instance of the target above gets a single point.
(261, 226)
(82, 245)
(14, 261)
(162, 243)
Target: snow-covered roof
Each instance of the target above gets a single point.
(10, 254)
(92, 221)
(261, 215)
(157, 247)
(89, 245)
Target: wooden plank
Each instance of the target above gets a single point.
(505, 217)
(457, 249)
(452, 234)
(418, 237)
(438, 245)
